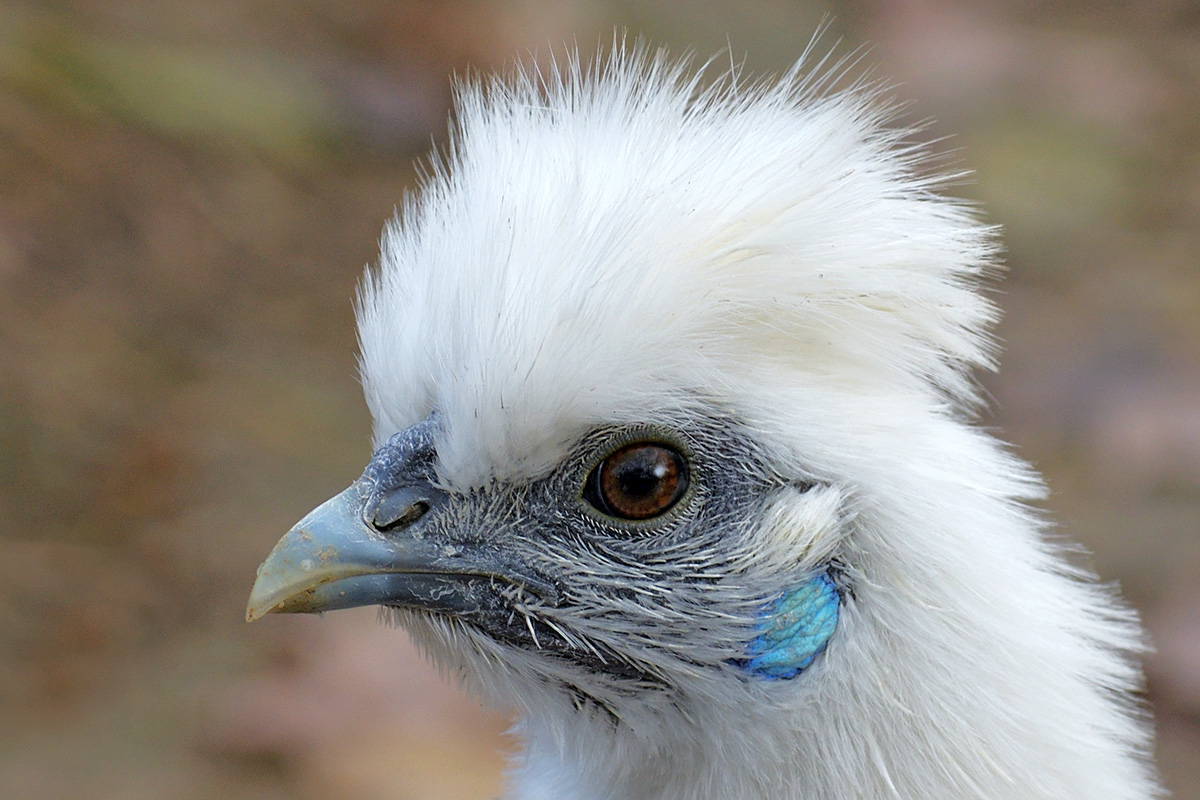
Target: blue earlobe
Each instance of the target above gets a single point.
(794, 629)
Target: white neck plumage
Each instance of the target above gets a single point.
(894, 742)
(985, 673)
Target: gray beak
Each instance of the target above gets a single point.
(333, 559)
(382, 542)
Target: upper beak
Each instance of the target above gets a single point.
(343, 555)
(375, 544)
(334, 559)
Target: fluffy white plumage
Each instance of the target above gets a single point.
(616, 245)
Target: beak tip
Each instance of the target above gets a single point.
(255, 609)
(264, 599)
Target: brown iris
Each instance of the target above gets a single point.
(639, 481)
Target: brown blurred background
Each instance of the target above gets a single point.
(188, 194)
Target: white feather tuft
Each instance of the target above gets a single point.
(599, 236)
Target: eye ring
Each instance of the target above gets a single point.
(639, 481)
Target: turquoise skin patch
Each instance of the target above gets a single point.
(794, 629)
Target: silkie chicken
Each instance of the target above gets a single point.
(673, 403)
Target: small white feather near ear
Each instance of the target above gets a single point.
(801, 529)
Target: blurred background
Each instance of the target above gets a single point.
(188, 195)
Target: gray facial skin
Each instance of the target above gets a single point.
(536, 568)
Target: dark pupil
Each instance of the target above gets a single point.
(641, 477)
(641, 481)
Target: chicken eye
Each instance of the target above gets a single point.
(639, 481)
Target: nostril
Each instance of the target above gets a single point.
(386, 522)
